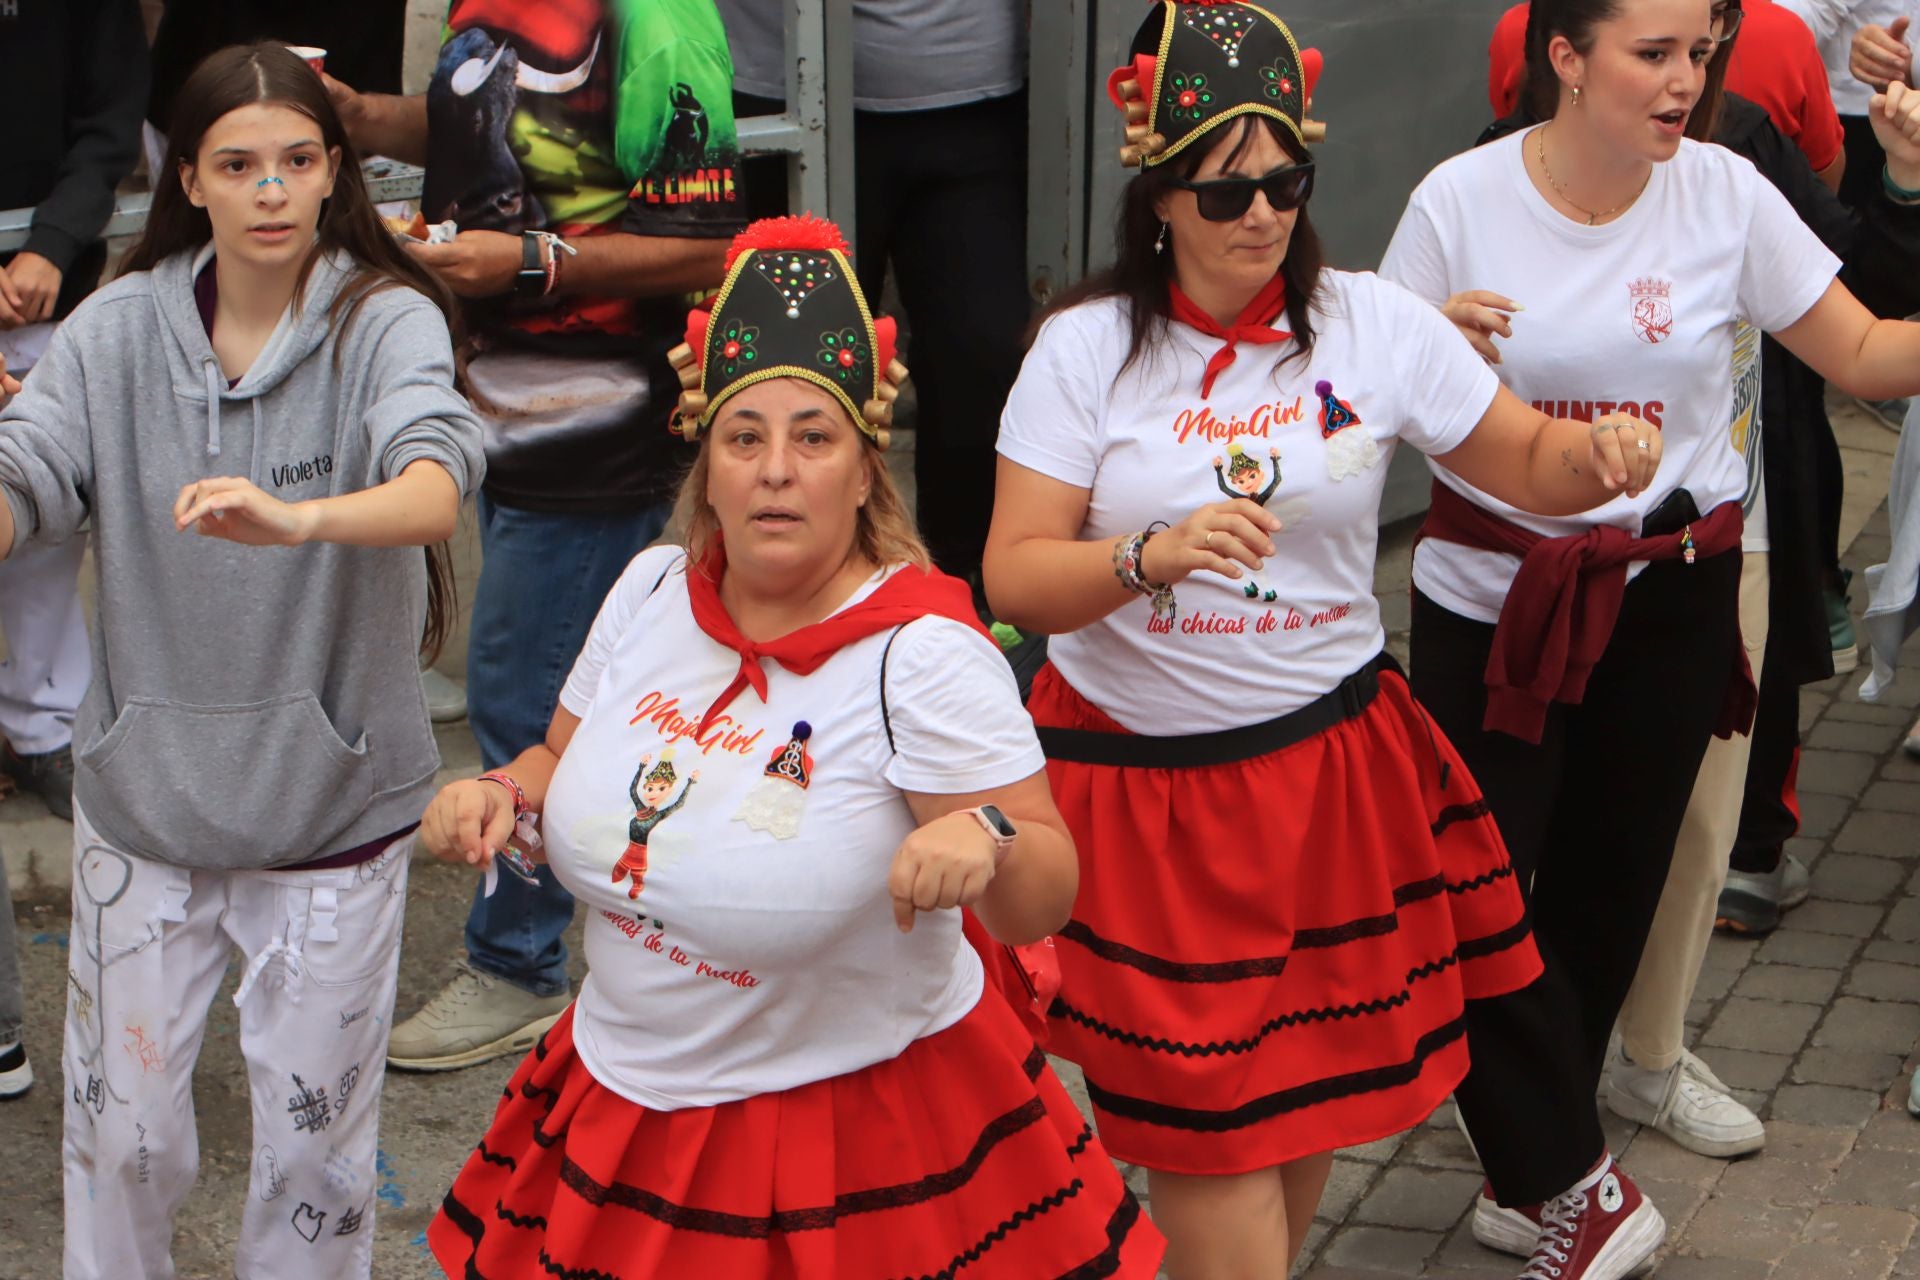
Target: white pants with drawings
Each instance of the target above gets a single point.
(149, 947)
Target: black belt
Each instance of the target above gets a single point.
(1190, 750)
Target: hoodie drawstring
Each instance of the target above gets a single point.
(212, 369)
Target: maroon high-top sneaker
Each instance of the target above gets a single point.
(1600, 1229)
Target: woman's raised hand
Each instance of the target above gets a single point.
(1221, 536)
(1479, 315)
(240, 511)
(467, 821)
(1895, 116)
(1625, 452)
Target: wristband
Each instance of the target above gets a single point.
(1899, 193)
(525, 829)
(1127, 557)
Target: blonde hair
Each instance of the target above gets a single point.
(883, 531)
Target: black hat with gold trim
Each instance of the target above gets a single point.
(790, 307)
(1196, 66)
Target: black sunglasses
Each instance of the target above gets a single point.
(1224, 199)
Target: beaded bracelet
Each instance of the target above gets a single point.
(1127, 559)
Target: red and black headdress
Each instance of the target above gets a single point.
(1198, 64)
(790, 307)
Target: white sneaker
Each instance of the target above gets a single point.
(1687, 1102)
(446, 701)
(16, 1073)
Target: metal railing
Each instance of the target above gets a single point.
(815, 135)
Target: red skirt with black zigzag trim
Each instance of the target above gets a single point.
(1270, 958)
(962, 1157)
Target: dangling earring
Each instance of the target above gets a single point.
(1576, 95)
(1160, 241)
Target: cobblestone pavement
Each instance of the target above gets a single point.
(1814, 1026)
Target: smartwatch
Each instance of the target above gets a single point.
(531, 280)
(1002, 831)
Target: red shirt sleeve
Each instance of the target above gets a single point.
(1507, 61)
(1777, 65)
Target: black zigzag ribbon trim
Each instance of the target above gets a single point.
(1460, 813)
(1264, 966)
(1126, 1216)
(562, 1272)
(1482, 881)
(1080, 1143)
(1007, 1227)
(527, 1222)
(1313, 1093)
(816, 1218)
(508, 1163)
(1300, 1017)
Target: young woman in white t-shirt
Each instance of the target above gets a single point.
(784, 1060)
(1288, 883)
(1636, 253)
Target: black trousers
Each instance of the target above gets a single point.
(1768, 818)
(1590, 815)
(942, 195)
(1865, 159)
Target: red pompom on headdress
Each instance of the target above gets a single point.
(800, 232)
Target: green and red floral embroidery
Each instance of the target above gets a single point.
(734, 347)
(1188, 97)
(843, 353)
(1277, 80)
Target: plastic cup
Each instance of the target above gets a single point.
(315, 58)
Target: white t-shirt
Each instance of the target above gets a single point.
(1834, 23)
(754, 960)
(1636, 316)
(1148, 448)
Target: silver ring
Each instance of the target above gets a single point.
(1210, 537)
(1643, 444)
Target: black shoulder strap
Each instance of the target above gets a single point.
(663, 575)
(886, 717)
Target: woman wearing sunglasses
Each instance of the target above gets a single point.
(1289, 887)
(1638, 253)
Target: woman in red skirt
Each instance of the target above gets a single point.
(1289, 884)
(777, 1067)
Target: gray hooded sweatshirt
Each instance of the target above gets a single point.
(251, 706)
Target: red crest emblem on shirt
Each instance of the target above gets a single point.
(1652, 309)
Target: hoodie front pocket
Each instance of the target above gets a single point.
(256, 785)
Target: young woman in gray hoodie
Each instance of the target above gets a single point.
(261, 421)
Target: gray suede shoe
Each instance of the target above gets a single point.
(473, 1019)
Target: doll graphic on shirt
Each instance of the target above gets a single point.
(1238, 476)
(649, 790)
(1351, 450)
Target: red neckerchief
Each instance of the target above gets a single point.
(909, 594)
(1251, 325)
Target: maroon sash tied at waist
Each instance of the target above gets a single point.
(1560, 611)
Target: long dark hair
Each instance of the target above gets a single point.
(240, 76)
(1576, 19)
(1140, 275)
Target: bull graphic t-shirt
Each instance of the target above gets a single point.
(582, 117)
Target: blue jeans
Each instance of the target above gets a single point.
(543, 576)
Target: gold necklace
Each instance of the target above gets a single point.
(1540, 145)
